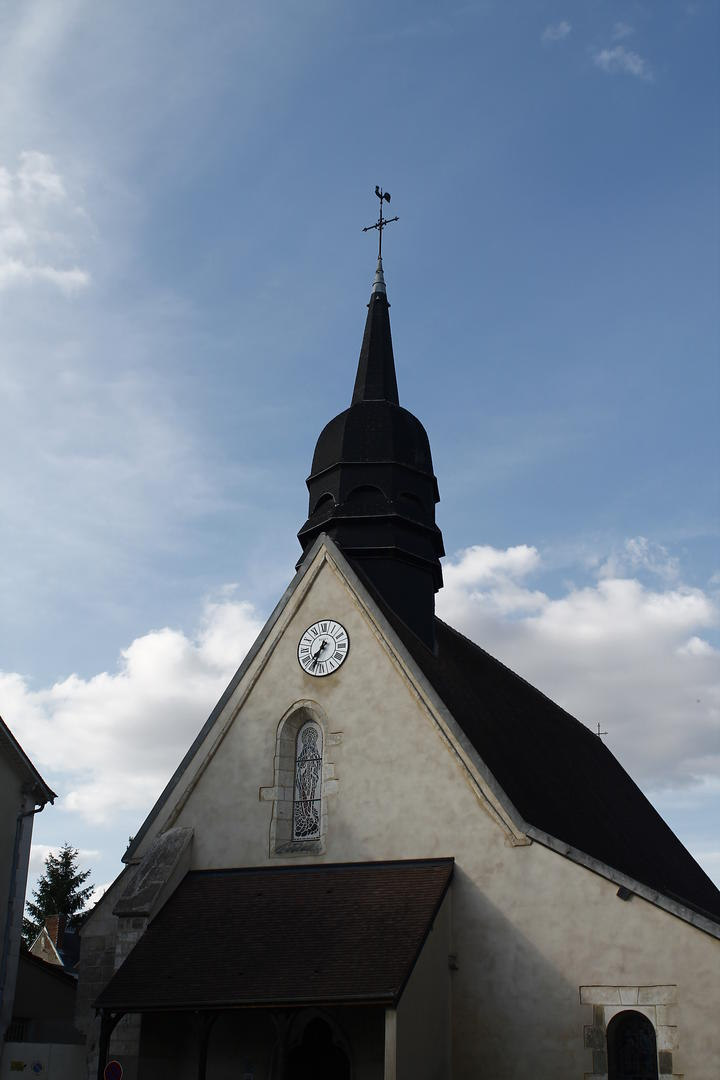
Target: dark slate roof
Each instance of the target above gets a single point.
(373, 431)
(559, 775)
(376, 379)
(56, 971)
(283, 935)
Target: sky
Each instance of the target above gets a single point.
(183, 281)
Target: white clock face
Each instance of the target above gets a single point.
(323, 647)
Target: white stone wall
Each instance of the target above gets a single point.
(59, 1061)
(98, 947)
(530, 927)
(424, 1021)
(12, 803)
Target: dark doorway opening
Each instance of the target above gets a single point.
(632, 1047)
(317, 1057)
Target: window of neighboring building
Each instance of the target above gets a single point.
(632, 1047)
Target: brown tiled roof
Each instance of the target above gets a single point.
(283, 935)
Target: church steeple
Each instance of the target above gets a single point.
(372, 486)
(375, 380)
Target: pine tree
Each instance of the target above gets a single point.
(58, 892)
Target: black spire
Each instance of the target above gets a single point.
(372, 486)
(375, 380)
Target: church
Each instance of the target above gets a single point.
(386, 856)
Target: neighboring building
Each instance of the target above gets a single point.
(386, 855)
(44, 1003)
(42, 1039)
(57, 943)
(23, 793)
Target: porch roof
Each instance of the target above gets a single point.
(287, 935)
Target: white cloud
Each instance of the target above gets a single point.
(490, 577)
(625, 61)
(97, 894)
(630, 656)
(638, 554)
(617, 652)
(556, 31)
(115, 738)
(40, 852)
(622, 30)
(40, 226)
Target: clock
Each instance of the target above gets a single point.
(323, 647)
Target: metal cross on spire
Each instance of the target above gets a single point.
(383, 196)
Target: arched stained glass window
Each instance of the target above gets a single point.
(307, 792)
(632, 1047)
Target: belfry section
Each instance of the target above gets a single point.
(372, 486)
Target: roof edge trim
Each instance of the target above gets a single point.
(46, 793)
(492, 795)
(303, 567)
(673, 907)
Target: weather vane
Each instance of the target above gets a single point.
(383, 196)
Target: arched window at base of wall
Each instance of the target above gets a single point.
(656, 1003)
(631, 1047)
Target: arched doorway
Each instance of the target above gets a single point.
(317, 1057)
(632, 1047)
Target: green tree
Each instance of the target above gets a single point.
(60, 891)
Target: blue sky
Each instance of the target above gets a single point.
(183, 280)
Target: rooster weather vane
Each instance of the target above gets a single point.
(383, 196)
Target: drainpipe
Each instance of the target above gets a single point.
(10, 914)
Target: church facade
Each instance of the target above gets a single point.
(388, 856)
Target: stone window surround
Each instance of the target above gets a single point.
(282, 792)
(656, 1002)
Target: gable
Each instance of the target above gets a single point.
(392, 751)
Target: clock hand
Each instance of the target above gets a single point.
(319, 652)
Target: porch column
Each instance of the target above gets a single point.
(108, 1022)
(390, 1044)
(282, 1020)
(207, 1021)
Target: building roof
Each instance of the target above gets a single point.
(376, 379)
(559, 775)
(291, 935)
(53, 971)
(33, 781)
